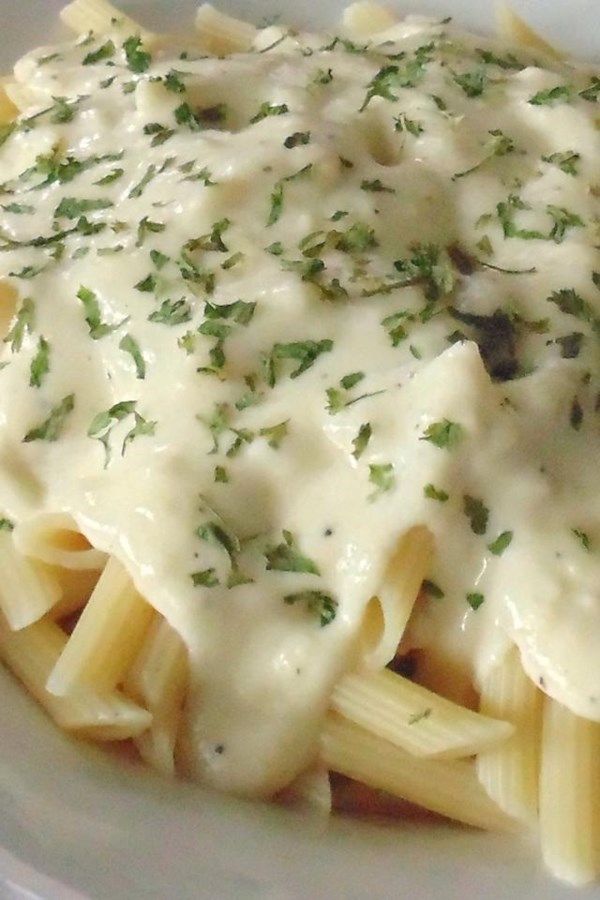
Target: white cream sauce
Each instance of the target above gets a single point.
(379, 181)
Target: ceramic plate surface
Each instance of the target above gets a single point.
(77, 823)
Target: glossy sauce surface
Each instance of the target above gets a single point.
(278, 308)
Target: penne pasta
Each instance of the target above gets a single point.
(512, 27)
(158, 681)
(366, 18)
(33, 652)
(26, 592)
(222, 34)
(388, 613)
(414, 718)
(106, 638)
(99, 16)
(8, 110)
(449, 788)
(55, 539)
(509, 772)
(570, 794)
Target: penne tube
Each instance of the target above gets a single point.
(26, 592)
(106, 638)
(509, 772)
(570, 794)
(512, 27)
(8, 110)
(447, 787)
(55, 539)
(99, 16)
(32, 653)
(414, 718)
(222, 34)
(388, 613)
(366, 18)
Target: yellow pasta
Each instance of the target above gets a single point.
(513, 28)
(449, 788)
(20, 96)
(26, 592)
(106, 638)
(158, 681)
(570, 794)
(411, 717)
(509, 772)
(99, 16)
(388, 613)
(222, 34)
(8, 110)
(32, 653)
(365, 18)
(55, 539)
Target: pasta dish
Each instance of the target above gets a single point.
(299, 411)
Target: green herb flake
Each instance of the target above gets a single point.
(106, 51)
(475, 600)
(361, 441)
(317, 602)
(275, 434)
(297, 139)
(305, 353)
(269, 109)
(72, 207)
(417, 717)
(563, 219)
(129, 345)
(382, 475)
(98, 328)
(205, 578)
(582, 537)
(567, 161)
(412, 126)
(472, 83)
(376, 187)
(138, 60)
(40, 364)
(433, 493)
(221, 475)
(138, 189)
(561, 93)
(51, 428)
(500, 544)
(6, 524)
(286, 557)
(444, 434)
(477, 514)
(172, 312)
(22, 325)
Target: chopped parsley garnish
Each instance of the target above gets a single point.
(563, 219)
(138, 60)
(113, 175)
(269, 109)
(172, 312)
(277, 194)
(417, 717)
(160, 133)
(444, 434)
(297, 139)
(22, 325)
(275, 433)
(6, 524)
(103, 423)
(391, 77)
(472, 83)
(106, 51)
(305, 353)
(499, 545)
(376, 187)
(221, 476)
(499, 145)
(129, 345)
(140, 187)
(582, 537)
(145, 227)
(475, 600)
(576, 414)
(73, 207)
(205, 578)
(98, 328)
(433, 493)
(147, 285)
(412, 126)
(317, 602)
(286, 557)
(558, 94)
(51, 428)
(570, 344)
(40, 364)
(506, 212)
(360, 442)
(572, 304)
(382, 475)
(567, 161)
(477, 513)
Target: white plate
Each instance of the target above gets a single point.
(76, 823)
